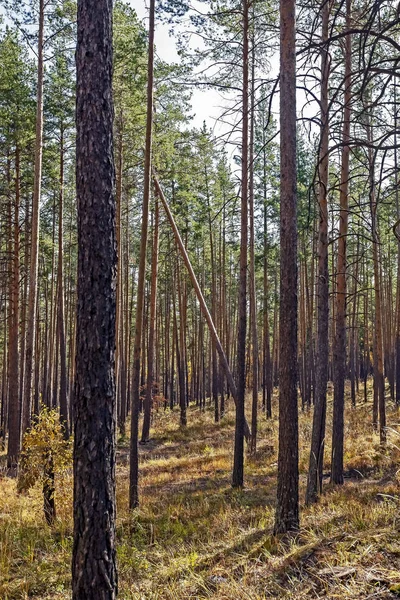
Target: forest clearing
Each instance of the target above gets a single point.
(195, 537)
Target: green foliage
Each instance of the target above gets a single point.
(44, 441)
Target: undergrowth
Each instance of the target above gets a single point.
(194, 537)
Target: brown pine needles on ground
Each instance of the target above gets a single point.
(194, 537)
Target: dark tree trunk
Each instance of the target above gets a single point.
(34, 242)
(137, 348)
(49, 504)
(314, 482)
(287, 510)
(64, 411)
(94, 575)
(339, 347)
(238, 458)
(252, 273)
(152, 326)
(14, 437)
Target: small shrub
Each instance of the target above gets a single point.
(45, 455)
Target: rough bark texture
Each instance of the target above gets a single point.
(314, 482)
(339, 345)
(94, 573)
(287, 510)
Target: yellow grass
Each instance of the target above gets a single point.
(194, 537)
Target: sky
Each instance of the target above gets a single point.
(206, 104)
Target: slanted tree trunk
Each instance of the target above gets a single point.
(287, 510)
(203, 306)
(94, 574)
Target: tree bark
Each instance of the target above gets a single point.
(152, 327)
(94, 574)
(316, 463)
(287, 510)
(238, 457)
(64, 411)
(137, 348)
(14, 432)
(339, 346)
(34, 246)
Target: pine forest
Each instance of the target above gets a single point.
(199, 299)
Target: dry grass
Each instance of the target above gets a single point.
(194, 537)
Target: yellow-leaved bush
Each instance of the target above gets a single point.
(46, 455)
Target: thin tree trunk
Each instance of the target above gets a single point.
(14, 437)
(339, 352)
(34, 256)
(252, 274)
(64, 410)
(238, 457)
(379, 379)
(316, 462)
(152, 324)
(137, 349)
(202, 302)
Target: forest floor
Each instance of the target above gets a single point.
(194, 537)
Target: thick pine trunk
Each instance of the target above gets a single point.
(287, 510)
(94, 575)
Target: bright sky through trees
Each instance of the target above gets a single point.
(207, 103)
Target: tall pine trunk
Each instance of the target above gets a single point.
(339, 344)
(94, 574)
(316, 463)
(137, 346)
(152, 329)
(34, 245)
(238, 458)
(14, 437)
(287, 510)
